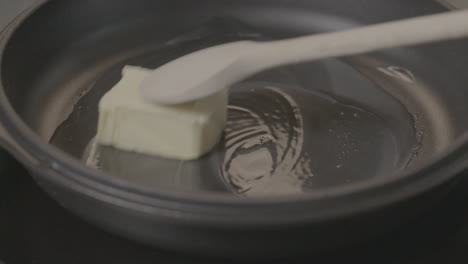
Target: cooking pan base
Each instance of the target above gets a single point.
(291, 130)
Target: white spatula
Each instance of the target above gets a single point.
(207, 71)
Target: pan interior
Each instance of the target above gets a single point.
(291, 130)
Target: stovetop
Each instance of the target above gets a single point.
(35, 229)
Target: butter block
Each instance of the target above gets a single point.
(185, 131)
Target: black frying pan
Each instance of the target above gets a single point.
(402, 111)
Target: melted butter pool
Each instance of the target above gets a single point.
(291, 130)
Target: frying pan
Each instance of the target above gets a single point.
(59, 57)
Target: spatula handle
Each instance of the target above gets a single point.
(420, 30)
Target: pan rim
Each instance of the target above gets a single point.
(329, 203)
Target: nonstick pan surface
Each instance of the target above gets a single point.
(352, 138)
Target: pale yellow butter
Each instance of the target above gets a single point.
(185, 131)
